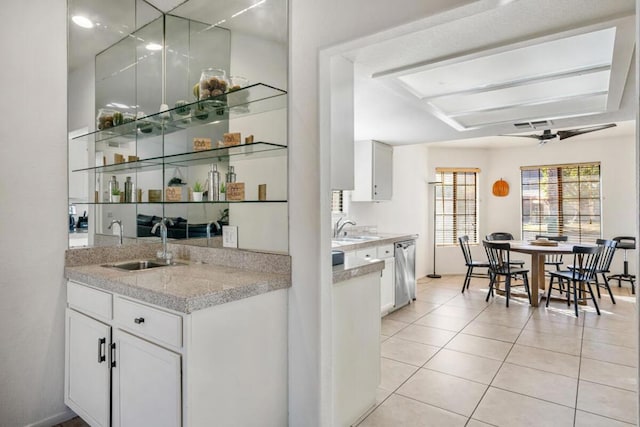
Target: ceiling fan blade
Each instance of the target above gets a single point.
(563, 134)
(538, 137)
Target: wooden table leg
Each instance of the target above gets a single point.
(537, 278)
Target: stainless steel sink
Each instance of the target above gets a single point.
(141, 265)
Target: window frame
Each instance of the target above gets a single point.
(439, 210)
(561, 217)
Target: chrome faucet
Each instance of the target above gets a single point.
(340, 225)
(165, 255)
(120, 228)
(217, 224)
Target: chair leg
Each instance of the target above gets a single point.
(549, 293)
(597, 286)
(491, 282)
(575, 296)
(568, 291)
(526, 286)
(606, 285)
(593, 298)
(507, 287)
(467, 278)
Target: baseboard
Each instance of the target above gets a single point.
(54, 419)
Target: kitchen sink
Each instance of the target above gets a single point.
(141, 265)
(355, 239)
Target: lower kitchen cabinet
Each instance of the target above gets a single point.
(388, 280)
(146, 383)
(88, 373)
(131, 364)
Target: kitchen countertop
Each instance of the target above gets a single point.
(374, 240)
(208, 277)
(354, 266)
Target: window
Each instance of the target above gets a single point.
(336, 201)
(456, 205)
(561, 200)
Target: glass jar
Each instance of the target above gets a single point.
(105, 119)
(213, 83)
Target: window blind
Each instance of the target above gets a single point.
(336, 201)
(562, 200)
(456, 212)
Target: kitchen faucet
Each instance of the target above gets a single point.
(120, 228)
(340, 225)
(217, 224)
(163, 235)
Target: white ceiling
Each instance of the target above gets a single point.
(117, 18)
(457, 56)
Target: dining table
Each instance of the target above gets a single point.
(538, 253)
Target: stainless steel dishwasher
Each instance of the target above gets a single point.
(405, 253)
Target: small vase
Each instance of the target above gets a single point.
(197, 196)
(223, 197)
(115, 199)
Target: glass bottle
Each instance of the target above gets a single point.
(213, 182)
(231, 175)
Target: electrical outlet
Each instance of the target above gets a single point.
(230, 236)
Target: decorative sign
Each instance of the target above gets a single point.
(133, 158)
(173, 194)
(231, 138)
(200, 144)
(500, 188)
(235, 191)
(249, 139)
(155, 196)
(262, 192)
(118, 158)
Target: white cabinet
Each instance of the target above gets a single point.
(387, 282)
(131, 364)
(146, 383)
(356, 347)
(87, 371)
(373, 171)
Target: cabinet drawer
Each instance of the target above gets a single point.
(368, 253)
(385, 251)
(90, 301)
(148, 322)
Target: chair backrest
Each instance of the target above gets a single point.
(498, 256)
(500, 235)
(606, 255)
(553, 238)
(625, 242)
(585, 262)
(466, 250)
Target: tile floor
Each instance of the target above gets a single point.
(452, 359)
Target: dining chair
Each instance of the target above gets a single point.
(554, 259)
(585, 262)
(503, 235)
(498, 254)
(470, 263)
(608, 249)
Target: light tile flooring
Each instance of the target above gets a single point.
(452, 359)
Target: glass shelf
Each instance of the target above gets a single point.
(206, 202)
(256, 149)
(253, 99)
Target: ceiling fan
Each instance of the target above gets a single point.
(547, 135)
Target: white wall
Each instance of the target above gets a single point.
(407, 212)
(33, 211)
(314, 26)
(616, 157)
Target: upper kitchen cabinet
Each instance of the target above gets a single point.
(373, 172)
(161, 98)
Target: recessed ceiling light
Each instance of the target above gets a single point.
(153, 46)
(82, 21)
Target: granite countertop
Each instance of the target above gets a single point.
(375, 240)
(355, 267)
(207, 276)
